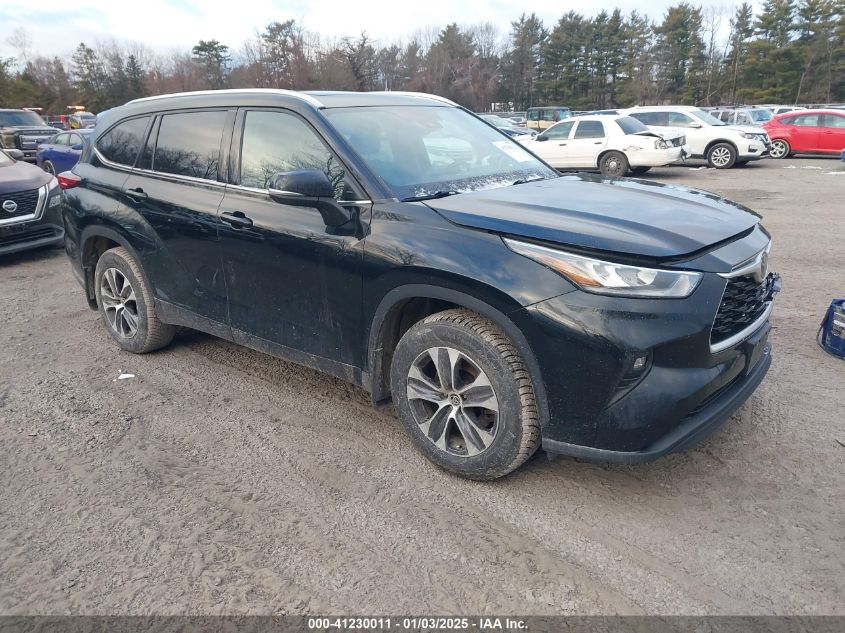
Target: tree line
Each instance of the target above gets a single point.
(791, 51)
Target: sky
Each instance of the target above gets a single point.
(178, 24)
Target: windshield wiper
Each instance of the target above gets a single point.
(431, 196)
(522, 181)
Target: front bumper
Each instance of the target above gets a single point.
(752, 150)
(21, 237)
(654, 157)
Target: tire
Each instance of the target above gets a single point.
(613, 165)
(779, 149)
(49, 167)
(637, 171)
(128, 313)
(721, 156)
(478, 442)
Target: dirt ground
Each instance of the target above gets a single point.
(220, 480)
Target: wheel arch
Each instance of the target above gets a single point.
(606, 151)
(386, 330)
(719, 141)
(95, 240)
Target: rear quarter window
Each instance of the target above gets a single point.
(122, 143)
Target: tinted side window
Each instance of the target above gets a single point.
(61, 139)
(679, 119)
(547, 115)
(189, 144)
(122, 143)
(559, 131)
(589, 129)
(789, 120)
(533, 115)
(807, 120)
(650, 118)
(276, 142)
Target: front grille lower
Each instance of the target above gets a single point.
(27, 202)
(29, 236)
(743, 302)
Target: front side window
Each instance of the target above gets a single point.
(650, 118)
(834, 121)
(189, 144)
(548, 115)
(560, 131)
(678, 119)
(122, 143)
(589, 129)
(61, 139)
(276, 142)
(420, 150)
(704, 117)
(533, 115)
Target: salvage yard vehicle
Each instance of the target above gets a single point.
(23, 130)
(544, 117)
(807, 132)
(615, 145)
(497, 303)
(61, 152)
(30, 203)
(721, 145)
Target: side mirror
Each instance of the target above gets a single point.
(309, 188)
(15, 154)
(541, 137)
(695, 126)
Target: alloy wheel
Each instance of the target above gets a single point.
(48, 167)
(453, 401)
(720, 156)
(119, 303)
(778, 149)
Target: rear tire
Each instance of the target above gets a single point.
(613, 165)
(125, 303)
(779, 149)
(721, 156)
(49, 167)
(464, 394)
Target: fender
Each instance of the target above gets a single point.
(373, 379)
(92, 231)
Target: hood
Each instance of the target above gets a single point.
(631, 217)
(21, 176)
(748, 129)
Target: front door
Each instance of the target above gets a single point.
(292, 282)
(832, 136)
(554, 150)
(586, 144)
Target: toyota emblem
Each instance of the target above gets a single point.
(10, 206)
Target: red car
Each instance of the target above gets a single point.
(806, 132)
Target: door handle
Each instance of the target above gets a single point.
(561, 144)
(598, 142)
(237, 219)
(137, 194)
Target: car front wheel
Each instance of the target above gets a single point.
(125, 302)
(463, 393)
(779, 149)
(721, 156)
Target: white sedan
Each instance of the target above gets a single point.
(611, 143)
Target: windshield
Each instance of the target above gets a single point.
(707, 118)
(761, 115)
(630, 125)
(19, 119)
(421, 150)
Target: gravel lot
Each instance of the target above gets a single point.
(220, 480)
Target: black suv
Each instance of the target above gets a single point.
(24, 130)
(401, 243)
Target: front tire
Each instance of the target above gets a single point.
(613, 165)
(779, 149)
(49, 167)
(464, 394)
(721, 156)
(125, 303)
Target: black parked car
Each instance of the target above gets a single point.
(23, 130)
(30, 202)
(402, 244)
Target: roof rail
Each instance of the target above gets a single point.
(291, 93)
(416, 94)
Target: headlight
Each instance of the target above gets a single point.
(746, 135)
(54, 193)
(608, 278)
(661, 144)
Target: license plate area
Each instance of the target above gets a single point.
(756, 347)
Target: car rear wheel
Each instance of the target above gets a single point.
(49, 167)
(779, 148)
(613, 164)
(125, 302)
(721, 156)
(463, 393)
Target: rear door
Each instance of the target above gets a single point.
(177, 188)
(588, 140)
(806, 133)
(832, 137)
